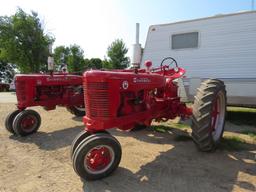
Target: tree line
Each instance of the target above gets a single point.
(24, 48)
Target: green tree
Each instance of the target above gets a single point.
(106, 64)
(60, 56)
(86, 63)
(95, 63)
(75, 60)
(7, 72)
(73, 56)
(24, 42)
(117, 55)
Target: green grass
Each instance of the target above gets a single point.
(179, 136)
(242, 109)
(241, 115)
(233, 143)
(177, 125)
(251, 134)
(160, 128)
(165, 126)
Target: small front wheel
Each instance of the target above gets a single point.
(26, 122)
(79, 138)
(9, 120)
(97, 156)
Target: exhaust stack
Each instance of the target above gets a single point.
(136, 50)
(50, 60)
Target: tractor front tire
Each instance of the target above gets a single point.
(26, 122)
(77, 111)
(208, 119)
(9, 120)
(79, 138)
(97, 156)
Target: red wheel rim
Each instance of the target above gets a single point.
(215, 114)
(28, 123)
(218, 116)
(99, 159)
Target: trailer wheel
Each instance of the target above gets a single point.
(26, 122)
(78, 111)
(97, 156)
(79, 138)
(9, 120)
(208, 119)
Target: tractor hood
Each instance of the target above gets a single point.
(126, 79)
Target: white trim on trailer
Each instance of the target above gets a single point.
(205, 18)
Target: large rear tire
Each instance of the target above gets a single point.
(97, 156)
(208, 119)
(78, 111)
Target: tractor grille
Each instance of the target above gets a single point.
(20, 90)
(97, 99)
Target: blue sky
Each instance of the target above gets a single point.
(94, 24)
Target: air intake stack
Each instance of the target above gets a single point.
(136, 50)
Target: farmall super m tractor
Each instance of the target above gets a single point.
(125, 99)
(48, 91)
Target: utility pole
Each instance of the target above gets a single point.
(252, 5)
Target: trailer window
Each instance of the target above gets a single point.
(185, 40)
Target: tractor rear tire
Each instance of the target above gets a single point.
(9, 120)
(26, 122)
(209, 110)
(77, 111)
(97, 156)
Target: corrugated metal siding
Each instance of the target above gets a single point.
(227, 46)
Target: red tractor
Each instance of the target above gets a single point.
(4, 87)
(46, 90)
(134, 98)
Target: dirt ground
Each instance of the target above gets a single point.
(151, 161)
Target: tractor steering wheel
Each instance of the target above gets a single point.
(172, 61)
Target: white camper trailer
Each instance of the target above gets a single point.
(222, 46)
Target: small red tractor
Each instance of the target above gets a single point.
(134, 98)
(46, 90)
(4, 87)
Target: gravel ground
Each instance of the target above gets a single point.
(151, 161)
(8, 97)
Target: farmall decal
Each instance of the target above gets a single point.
(55, 79)
(59, 78)
(141, 80)
(125, 84)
